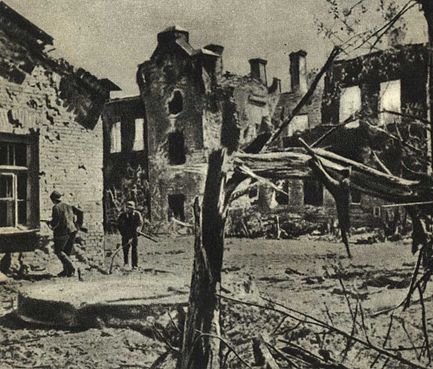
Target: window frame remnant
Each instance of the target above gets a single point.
(14, 175)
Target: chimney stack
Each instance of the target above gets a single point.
(173, 33)
(298, 71)
(258, 70)
(217, 49)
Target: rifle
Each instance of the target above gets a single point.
(79, 227)
(146, 236)
(120, 248)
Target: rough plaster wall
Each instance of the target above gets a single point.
(70, 155)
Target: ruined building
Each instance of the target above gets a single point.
(303, 197)
(50, 138)
(370, 86)
(125, 157)
(385, 89)
(186, 97)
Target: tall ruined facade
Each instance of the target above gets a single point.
(50, 138)
(125, 158)
(192, 107)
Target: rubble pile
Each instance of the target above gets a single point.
(252, 223)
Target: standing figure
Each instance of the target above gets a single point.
(64, 229)
(343, 200)
(129, 224)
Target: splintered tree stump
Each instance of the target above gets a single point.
(262, 356)
(201, 345)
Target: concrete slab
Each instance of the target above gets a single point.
(114, 300)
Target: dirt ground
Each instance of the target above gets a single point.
(311, 275)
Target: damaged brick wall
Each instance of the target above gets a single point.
(61, 106)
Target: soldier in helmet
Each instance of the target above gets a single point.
(63, 224)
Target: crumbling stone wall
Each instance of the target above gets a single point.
(60, 106)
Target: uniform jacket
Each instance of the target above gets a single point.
(63, 219)
(127, 223)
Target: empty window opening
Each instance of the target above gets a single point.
(139, 135)
(176, 148)
(313, 192)
(377, 211)
(356, 196)
(350, 102)
(175, 105)
(253, 193)
(282, 197)
(176, 207)
(116, 138)
(389, 100)
(13, 184)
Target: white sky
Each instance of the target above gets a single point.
(111, 37)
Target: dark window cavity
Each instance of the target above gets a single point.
(176, 207)
(176, 148)
(313, 192)
(175, 105)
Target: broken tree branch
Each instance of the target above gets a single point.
(308, 319)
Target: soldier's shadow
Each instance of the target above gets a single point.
(33, 277)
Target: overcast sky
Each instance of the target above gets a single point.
(111, 37)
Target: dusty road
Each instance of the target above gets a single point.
(310, 275)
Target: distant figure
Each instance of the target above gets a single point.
(63, 224)
(129, 224)
(343, 200)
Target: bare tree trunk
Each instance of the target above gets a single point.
(427, 7)
(201, 348)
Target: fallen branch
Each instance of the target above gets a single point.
(314, 321)
(424, 325)
(309, 357)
